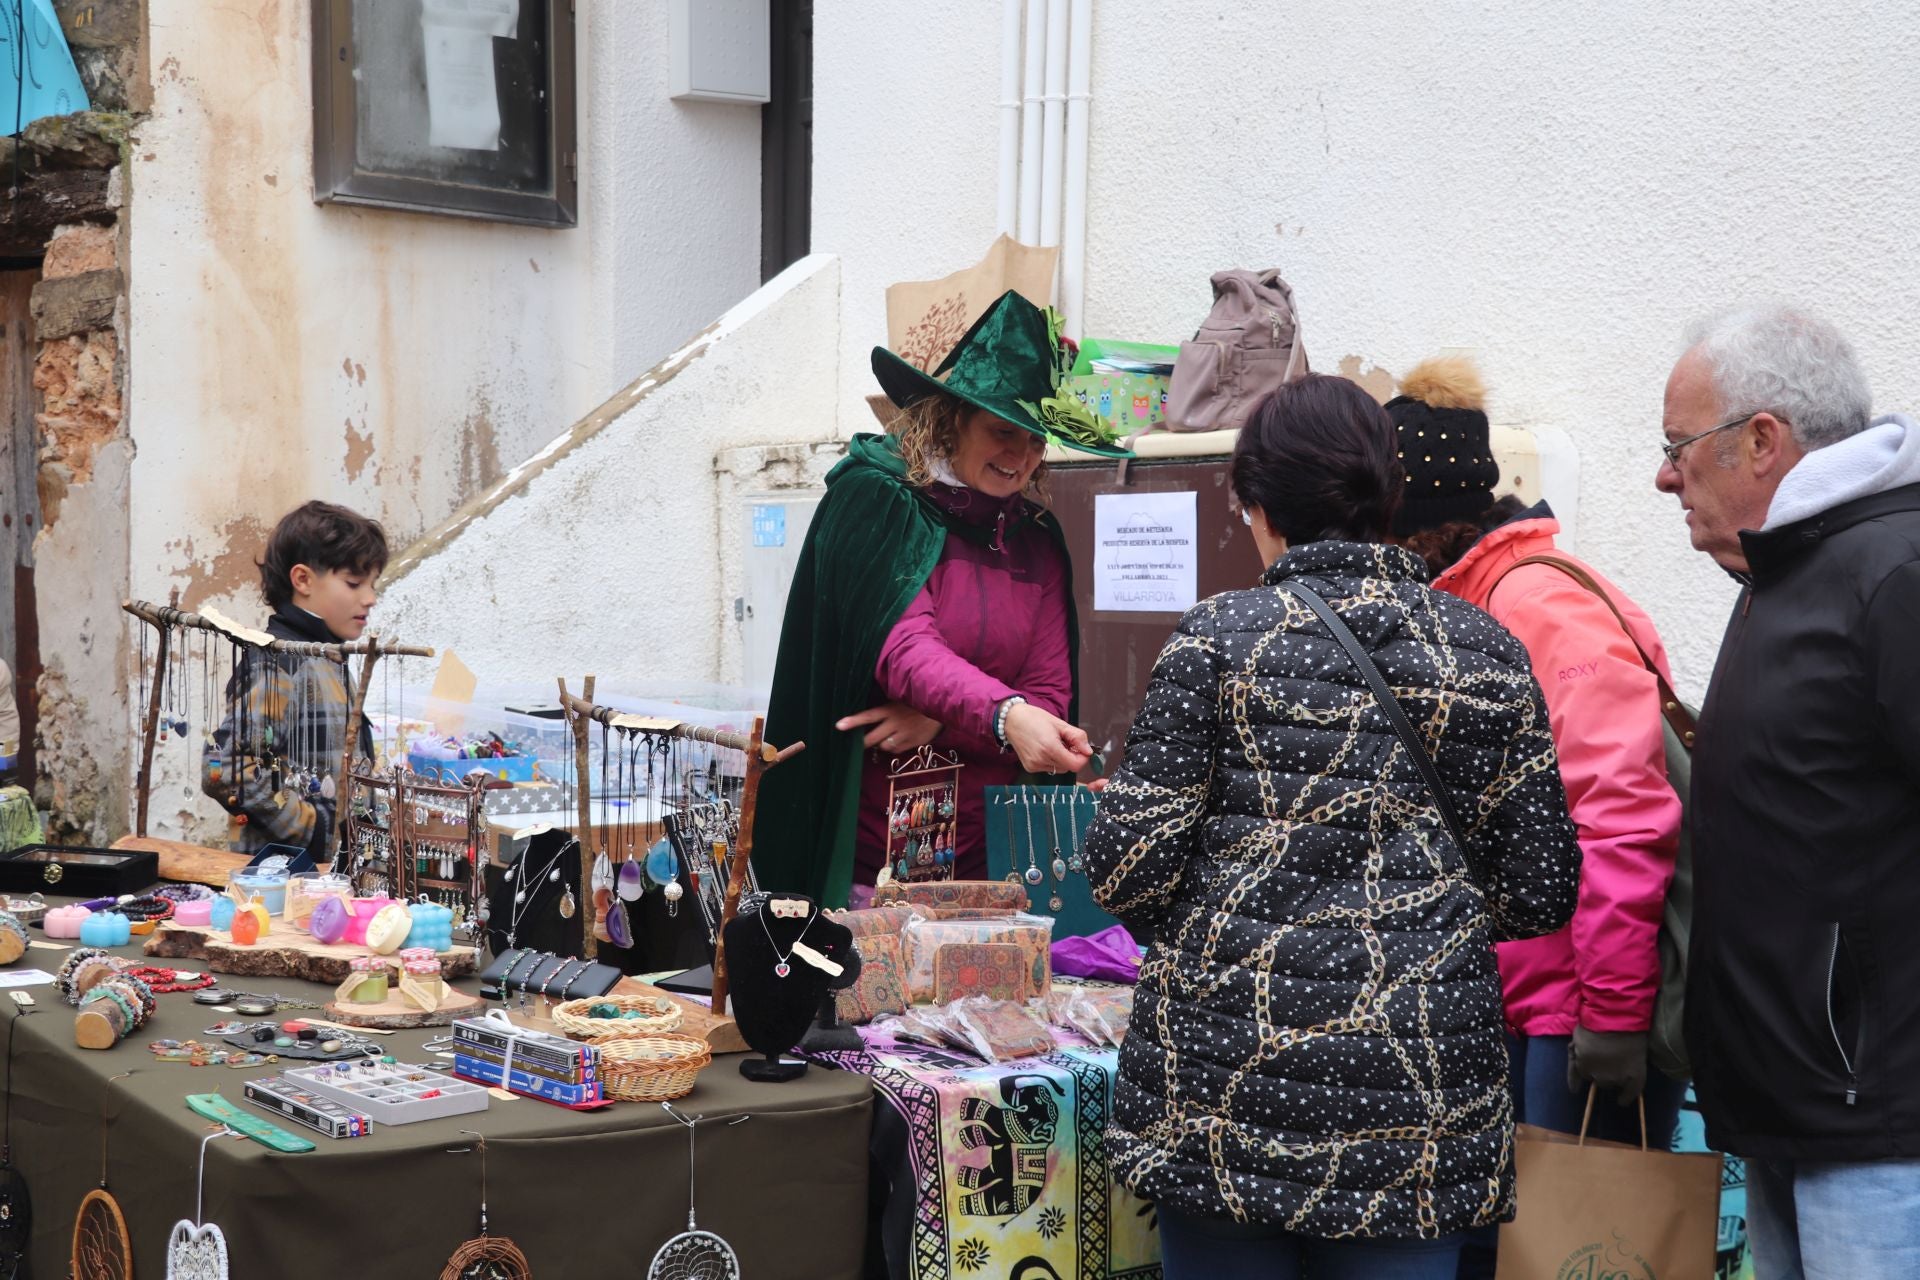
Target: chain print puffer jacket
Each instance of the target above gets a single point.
(1317, 1036)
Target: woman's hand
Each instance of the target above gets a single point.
(897, 727)
(1046, 743)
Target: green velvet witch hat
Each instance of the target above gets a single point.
(1010, 364)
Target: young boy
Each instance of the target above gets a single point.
(273, 762)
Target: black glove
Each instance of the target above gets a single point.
(1615, 1060)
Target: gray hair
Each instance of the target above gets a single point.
(1778, 359)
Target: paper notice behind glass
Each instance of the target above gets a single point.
(1146, 553)
(463, 102)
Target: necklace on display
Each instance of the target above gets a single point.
(523, 895)
(781, 968)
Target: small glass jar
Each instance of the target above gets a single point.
(306, 890)
(367, 983)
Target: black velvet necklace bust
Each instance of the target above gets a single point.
(775, 990)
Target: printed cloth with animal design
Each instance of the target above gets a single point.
(1000, 1170)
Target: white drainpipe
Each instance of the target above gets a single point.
(1073, 240)
(1030, 112)
(1044, 121)
(1053, 122)
(1009, 116)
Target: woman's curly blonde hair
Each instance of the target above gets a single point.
(928, 430)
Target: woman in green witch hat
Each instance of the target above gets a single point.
(932, 603)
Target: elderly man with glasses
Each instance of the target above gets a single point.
(1803, 983)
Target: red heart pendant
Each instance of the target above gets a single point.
(782, 969)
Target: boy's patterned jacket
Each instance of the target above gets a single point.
(290, 717)
(1317, 1038)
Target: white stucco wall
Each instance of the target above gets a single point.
(397, 362)
(603, 554)
(280, 350)
(1559, 188)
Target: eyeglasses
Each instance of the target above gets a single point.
(1672, 448)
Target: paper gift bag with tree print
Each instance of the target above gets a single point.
(926, 317)
(1597, 1210)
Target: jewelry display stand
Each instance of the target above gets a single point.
(779, 985)
(923, 803)
(581, 712)
(201, 863)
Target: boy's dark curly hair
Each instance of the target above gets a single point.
(323, 536)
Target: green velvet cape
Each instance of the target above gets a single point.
(873, 543)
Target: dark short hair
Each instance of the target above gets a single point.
(1317, 456)
(323, 536)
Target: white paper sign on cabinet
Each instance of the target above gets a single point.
(1146, 553)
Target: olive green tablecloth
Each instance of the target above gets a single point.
(582, 1193)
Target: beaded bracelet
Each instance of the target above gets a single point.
(1000, 718)
(150, 907)
(164, 980)
(178, 893)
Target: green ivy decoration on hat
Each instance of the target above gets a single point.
(1010, 363)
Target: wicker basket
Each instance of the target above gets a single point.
(652, 1068)
(657, 1014)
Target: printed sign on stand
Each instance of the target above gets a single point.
(1146, 552)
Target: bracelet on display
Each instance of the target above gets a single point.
(163, 980)
(147, 908)
(1000, 718)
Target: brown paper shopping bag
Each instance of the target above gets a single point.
(1609, 1211)
(926, 317)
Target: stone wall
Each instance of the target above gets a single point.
(73, 171)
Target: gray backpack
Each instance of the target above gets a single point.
(1249, 345)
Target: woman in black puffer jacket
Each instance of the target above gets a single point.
(1315, 1080)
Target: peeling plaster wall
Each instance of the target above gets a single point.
(396, 362)
(601, 555)
(1558, 188)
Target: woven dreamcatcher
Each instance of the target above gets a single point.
(100, 1247)
(485, 1257)
(694, 1254)
(197, 1249)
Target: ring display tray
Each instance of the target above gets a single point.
(391, 1093)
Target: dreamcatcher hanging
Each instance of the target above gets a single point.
(485, 1257)
(196, 1248)
(693, 1254)
(100, 1247)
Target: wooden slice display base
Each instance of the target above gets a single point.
(282, 952)
(98, 1029)
(395, 1013)
(192, 863)
(695, 1018)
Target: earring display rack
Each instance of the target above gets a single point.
(923, 805)
(415, 839)
(582, 712)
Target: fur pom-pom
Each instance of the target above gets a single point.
(1446, 382)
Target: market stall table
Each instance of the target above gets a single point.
(1000, 1170)
(582, 1193)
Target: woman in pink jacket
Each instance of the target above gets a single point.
(1579, 1002)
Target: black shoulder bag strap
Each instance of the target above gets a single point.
(1397, 717)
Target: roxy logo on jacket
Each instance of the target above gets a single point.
(1578, 671)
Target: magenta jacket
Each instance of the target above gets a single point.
(991, 622)
(1603, 969)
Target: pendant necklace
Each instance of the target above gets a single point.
(1000, 799)
(1033, 873)
(1059, 863)
(781, 968)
